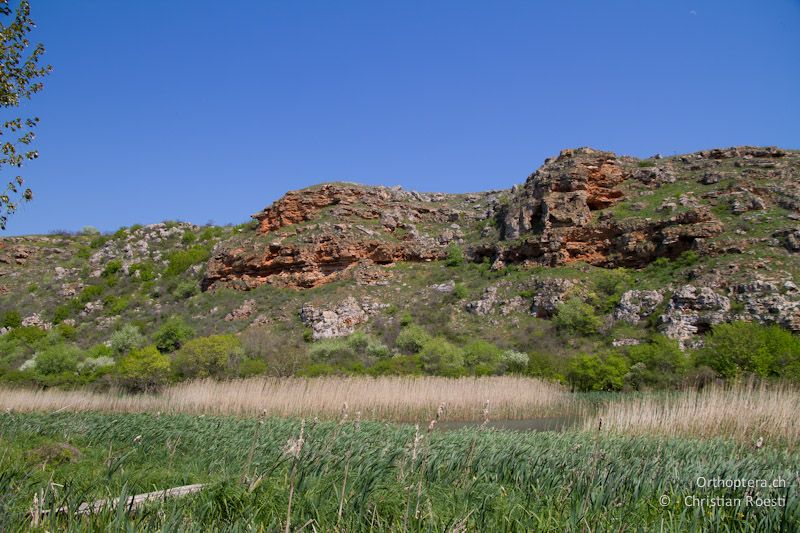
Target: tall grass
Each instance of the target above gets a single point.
(399, 479)
(742, 412)
(385, 398)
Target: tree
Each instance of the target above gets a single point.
(215, 356)
(20, 75)
(172, 334)
(145, 369)
(438, 356)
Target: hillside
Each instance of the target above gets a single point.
(621, 248)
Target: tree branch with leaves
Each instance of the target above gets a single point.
(20, 79)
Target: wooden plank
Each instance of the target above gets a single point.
(131, 502)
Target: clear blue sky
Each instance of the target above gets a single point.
(205, 111)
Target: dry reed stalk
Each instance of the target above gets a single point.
(743, 412)
(400, 399)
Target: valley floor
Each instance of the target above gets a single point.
(652, 464)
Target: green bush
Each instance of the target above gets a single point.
(145, 369)
(112, 267)
(11, 319)
(397, 365)
(252, 367)
(460, 291)
(188, 237)
(659, 363)
(741, 348)
(455, 256)
(356, 348)
(412, 338)
(57, 359)
(596, 373)
(608, 287)
(576, 317)
(181, 260)
(126, 339)
(186, 289)
(439, 356)
(115, 305)
(172, 334)
(514, 361)
(215, 356)
(482, 357)
(146, 271)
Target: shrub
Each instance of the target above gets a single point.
(89, 230)
(252, 367)
(185, 289)
(213, 356)
(57, 359)
(188, 237)
(283, 354)
(455, 256)
(172, 334)
(595, 373)
(748, 348)
(514, 361)
(126, 339)
(356, 348)
(439, 356)
(146, 271)
(460, 291)
(11, 319)
(181, 260)
(482, 357)
(411, 339)
(608, 286)
(659, 363)
(115, 305)
(397, 365)
(574, 316)
(145, 369)
(112, 267)
(94, 365)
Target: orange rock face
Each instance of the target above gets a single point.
(321, 234)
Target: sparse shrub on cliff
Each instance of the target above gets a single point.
(111, 268)
(186, 289)
(181, 260)
(455, 256)
(11, 319)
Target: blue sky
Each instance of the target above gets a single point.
(208, 111)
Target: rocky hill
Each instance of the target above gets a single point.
(667, 244)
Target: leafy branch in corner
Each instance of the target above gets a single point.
(20, 78)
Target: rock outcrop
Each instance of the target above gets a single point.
(693, 310)
(550, 219)
(318, 235)
(340, 320)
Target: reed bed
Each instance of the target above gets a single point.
(291, 475)
(754, 414)
(399, 399)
